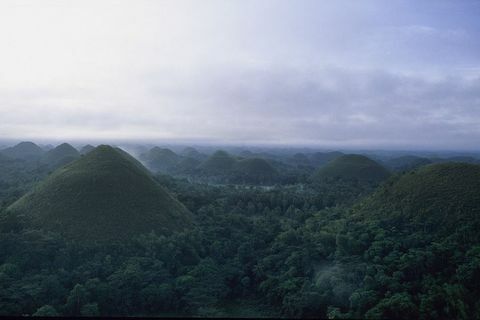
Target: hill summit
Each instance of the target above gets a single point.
(104, 195)
(160, 159)
(255, 170)
(352, 167)
(24, 150)
(60, 155)
(220, 162)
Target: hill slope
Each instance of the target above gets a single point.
(352, 167)
(255, 170)
(160, 159)
(434, 196)
(86, 149)
(24, 150)
(406, 163)
(104, 195)
(218, 163)
(321, 158)
(60, 155)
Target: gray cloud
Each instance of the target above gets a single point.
(305, 72)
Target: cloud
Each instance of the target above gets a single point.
(283, 72)
(327, 106)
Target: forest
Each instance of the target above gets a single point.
(101, 232)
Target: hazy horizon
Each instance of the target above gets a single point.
(402, 75)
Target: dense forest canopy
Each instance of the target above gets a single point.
(239, 234)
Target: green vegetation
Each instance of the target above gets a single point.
(407, 163)
(60, 155)
(24, 150)
(103, 195)
(102, 237)
(219, 163)
(193, 153)
(254, 171)
(160, 160)
(86, 149)
(319, 159)
(352, 167)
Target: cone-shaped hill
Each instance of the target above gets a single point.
(432, 198)
(24, 150)
(319, 159)
(104, 195)
(61, 155)
(218, 163)
(255, 170)
(352, 167)
(160, 159)
(86, 149)
(190, 152)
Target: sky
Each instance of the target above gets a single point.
(370, 74)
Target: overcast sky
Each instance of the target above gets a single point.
(389, 74)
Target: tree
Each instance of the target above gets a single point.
(76, 299)
(46, 311)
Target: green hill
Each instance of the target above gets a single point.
(300, 159)
(60, 155)
(417, 239)
(435, 196)
(86, 149)
(24, 150)
(219, 163)
(464, 159)
(190, 152)
(319, 159)
(352, 167)
(406, 163)
(160, 160)
(255, 170)
(103, 195)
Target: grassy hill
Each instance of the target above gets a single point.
(406, 163)
(60, 155)
(24, 150)
(352, 167)
(255, 170)
(193, 153)
(102, 196)
(160, 159)
(432, 197)
(86, 149)
(319, 159)
(218, 163)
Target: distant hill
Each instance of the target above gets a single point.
(299, 159)
(160, 160)
(464, 159)
(193, 153)
(406, 163)
(254, 170)
(319, 159)
(187, 165)
(24, 150)
(219, 163)
(352, 167)
(104, 195)
(86, 149)
(60, 155)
